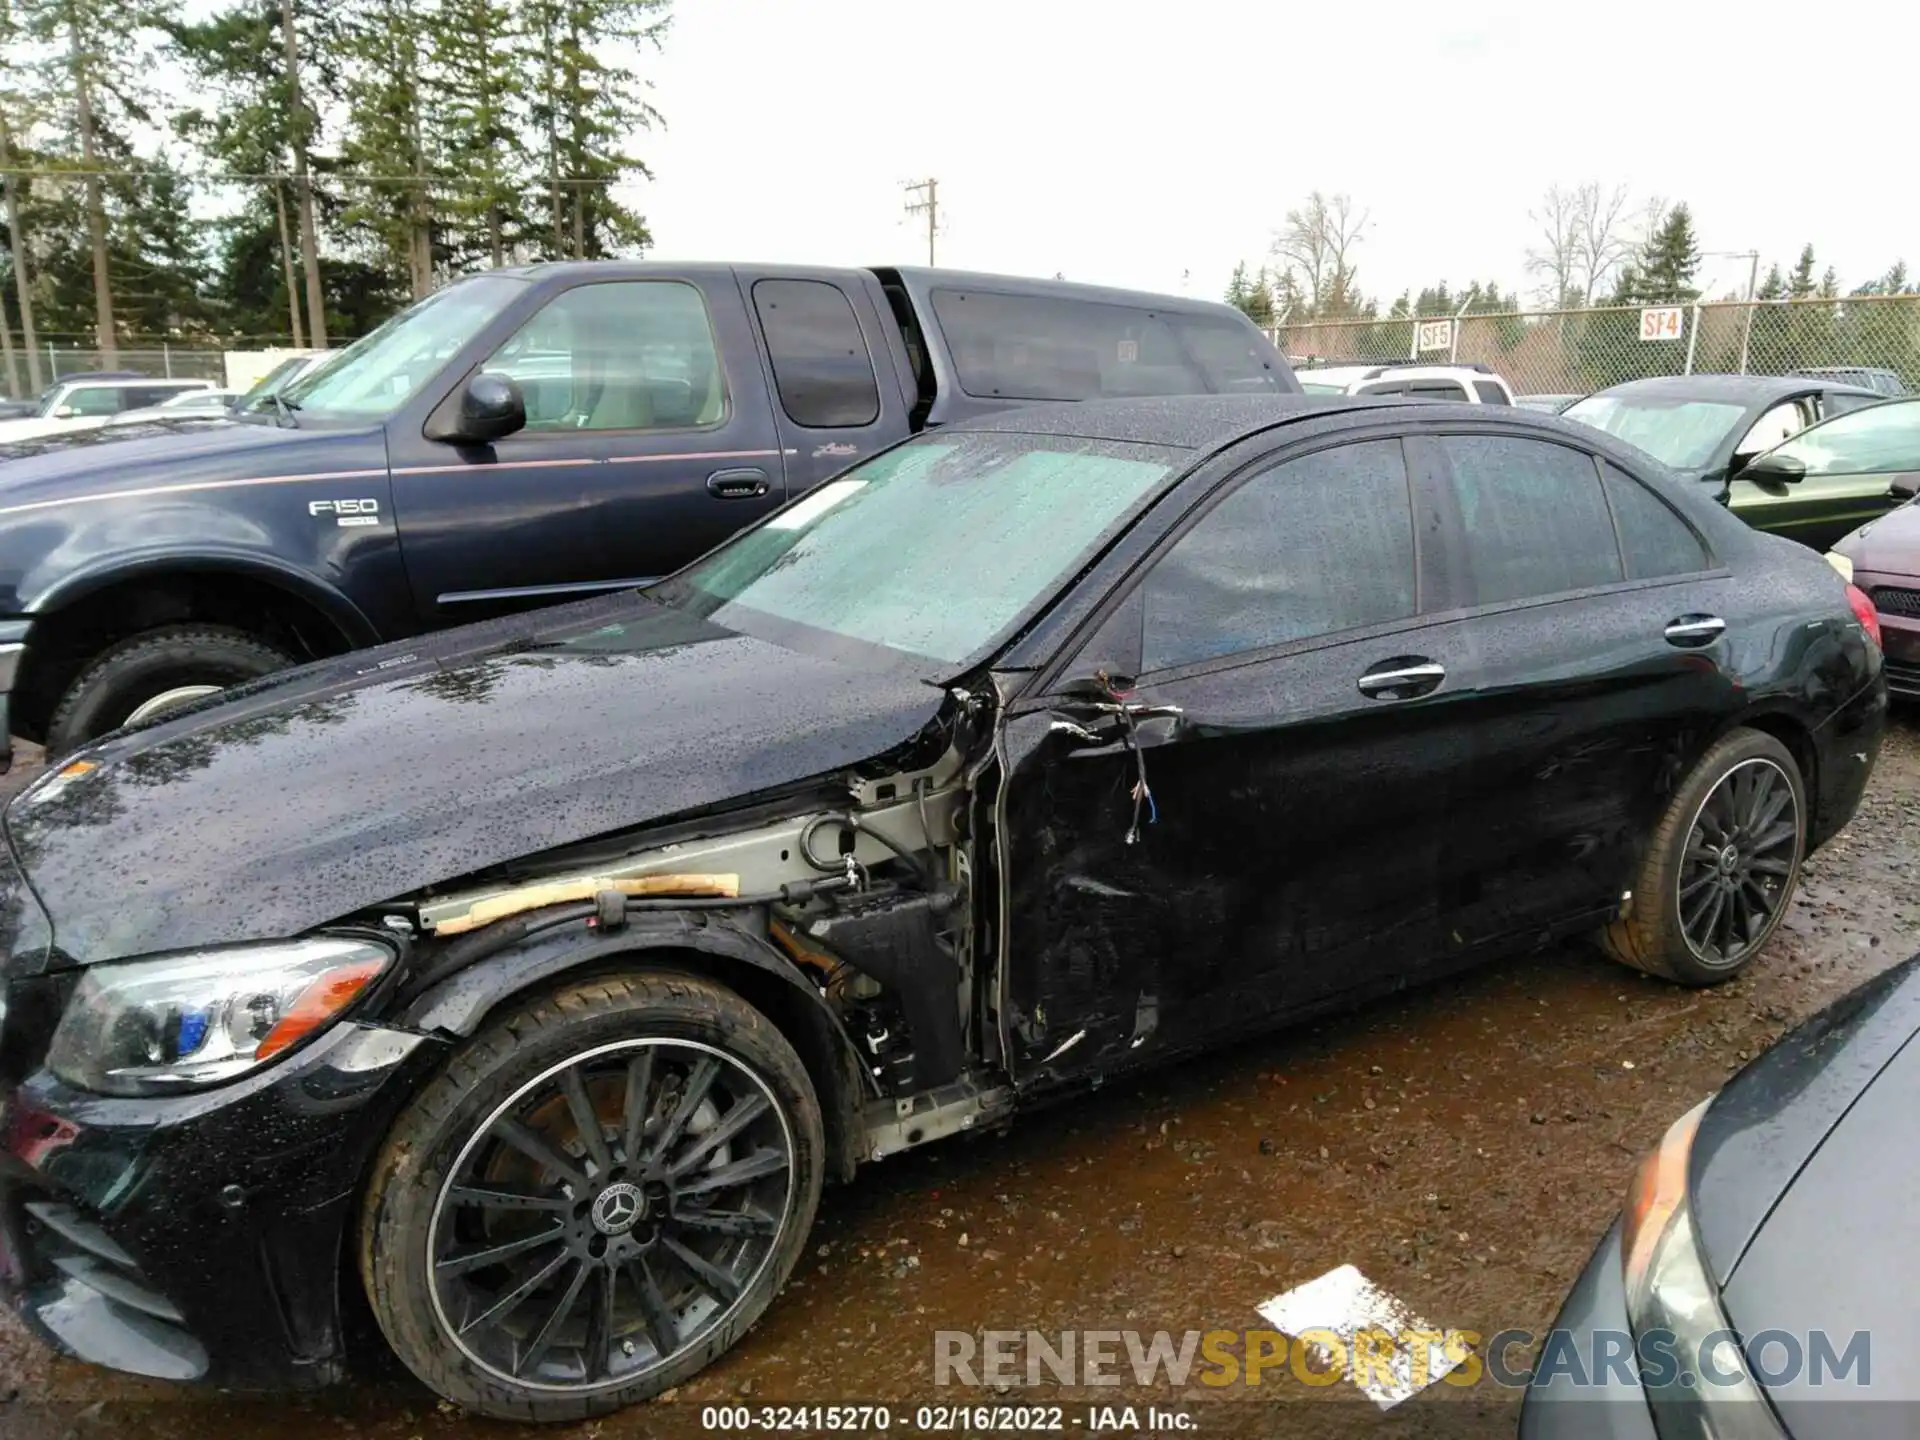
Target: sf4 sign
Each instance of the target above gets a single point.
(1663, 322)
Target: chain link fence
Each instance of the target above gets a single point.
(1576, 352)
(57, 358)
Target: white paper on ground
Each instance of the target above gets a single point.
(1347, 1303)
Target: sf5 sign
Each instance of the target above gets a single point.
(1435, 335)
(1663, 322)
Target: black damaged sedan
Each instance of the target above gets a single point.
(531, 980)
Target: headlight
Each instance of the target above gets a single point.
(179, 1022)
(1696, 1377)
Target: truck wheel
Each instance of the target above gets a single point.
(155, 671)
(1721, 870)
(596, 1198)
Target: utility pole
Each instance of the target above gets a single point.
(929, 207)
(1746, 330)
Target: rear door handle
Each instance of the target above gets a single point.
(1405, 677)
(747, 484)
(1693, 631)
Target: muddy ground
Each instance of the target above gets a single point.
(1463, 1146)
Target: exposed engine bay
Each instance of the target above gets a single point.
(874, 896)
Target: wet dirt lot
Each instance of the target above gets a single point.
(1464, 1146)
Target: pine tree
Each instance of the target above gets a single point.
(1774, 287)
(1259, 306)
(96, 55)
(1663, 272)
(1800, 284)
(389, 133)
(585, 103)
(1239, 287)
(481, 67)
(265, 121)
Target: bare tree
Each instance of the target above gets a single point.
(1605, 244)
(1585, 236)
(1557, 258)
(1318, 243)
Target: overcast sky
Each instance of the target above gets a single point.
(1137, 145)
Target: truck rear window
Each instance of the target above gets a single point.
(1030, 347)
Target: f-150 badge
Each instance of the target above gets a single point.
(347, 512)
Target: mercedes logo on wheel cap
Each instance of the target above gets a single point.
(618, 1209)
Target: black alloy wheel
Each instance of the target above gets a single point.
(1720, 867)
(598, 1196)
(1740, 859)
(609, 1213)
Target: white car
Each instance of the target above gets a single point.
(187, 405)
(1465, 384)
(88, 404)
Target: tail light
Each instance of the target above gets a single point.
(1864, 612)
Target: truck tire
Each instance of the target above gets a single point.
(1721, 869)
(598, 1195)
(192, 660)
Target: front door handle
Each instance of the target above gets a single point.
(748, 484)
(1405, 677)
(1692, 631)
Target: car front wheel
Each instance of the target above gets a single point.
(595, 1199)
(1721, 869)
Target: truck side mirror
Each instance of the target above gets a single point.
(487, 408)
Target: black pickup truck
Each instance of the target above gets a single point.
(518, 438)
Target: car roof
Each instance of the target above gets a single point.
(1732, 389)
(917, 277)
(1212, 422)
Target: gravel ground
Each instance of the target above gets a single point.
(1464, 1146)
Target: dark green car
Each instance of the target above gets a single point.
(1833, 477)
(1714, 429)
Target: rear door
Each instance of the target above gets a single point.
(649, 440)
(1596, 668)
(836, 396)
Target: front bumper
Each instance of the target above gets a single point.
(1599, 1396)
(200, 1237)
(1897, 599)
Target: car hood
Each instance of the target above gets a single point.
(1833, 1262)
(1889, 545)
(74, 463)
(343, 784)
(1770, 1119)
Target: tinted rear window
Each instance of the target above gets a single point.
(1029, 347)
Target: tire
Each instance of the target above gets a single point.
(118, 681)
(1747, 794)
(425, 1233)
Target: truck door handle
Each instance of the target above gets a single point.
(747, 484)
(1405, 677)
(1692, 631)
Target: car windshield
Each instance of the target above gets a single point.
(379, 372)
(1861, 442)
(275, 379)
(1681, 433)
(933, 549)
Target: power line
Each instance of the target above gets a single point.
(929, 207)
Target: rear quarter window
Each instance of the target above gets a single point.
(1048, 347)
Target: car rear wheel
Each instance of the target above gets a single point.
(156, 671)
(595, 1199)
(1721, 870)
